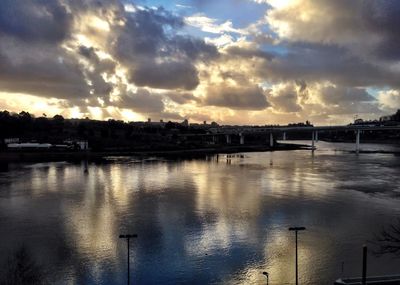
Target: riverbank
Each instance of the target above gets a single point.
(41, 156)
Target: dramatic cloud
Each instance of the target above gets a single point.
(284, 98)
(142, 101)
(360, 25)
(335, 96)
(182, 98)
(315, 62)
(34, 21)
(390, 99)
(242, 98)
(382, 17)
(256, 62)
(155, 55)
(41, 70)
(166, 75)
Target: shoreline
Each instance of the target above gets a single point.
(45, 156)
(75, 156)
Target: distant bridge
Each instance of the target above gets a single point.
(274, 131)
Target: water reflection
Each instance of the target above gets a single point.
(202, 221)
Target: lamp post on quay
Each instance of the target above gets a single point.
(128, 237)
(266, 275)
(296, 229)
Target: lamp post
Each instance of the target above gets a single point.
(128, 237)
(266, 275)
(364, 268)
(296, 229)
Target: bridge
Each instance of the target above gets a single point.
(273, 132)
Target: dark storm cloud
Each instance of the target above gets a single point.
(99, 87)
(285, 99)
(351, 108)
(37, 20)
(193, 48)
(341, 95)
(145, 32)
(368, 27)
(249, 53)
(382, 15)
(165, 75)
(352, 44)
(40, 70)
(101, 65)
(318, 62)
(49, 71)
(100, 6)
(142, 101)
(88, 52)
(182, 97)
(240, 98)
(382, 18)
(156, 56)
(286, 102)
(31, 60)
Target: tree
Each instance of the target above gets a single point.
(58, 118)
(388, 240)
(21, 269)
(396, 117)
(25, 116)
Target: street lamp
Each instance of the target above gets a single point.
(296, 229)
(128, 237)
(266, 275)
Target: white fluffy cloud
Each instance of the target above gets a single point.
(390, 99)
(211, 25)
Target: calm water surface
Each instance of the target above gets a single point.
(203, 221)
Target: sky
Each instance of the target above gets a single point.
(252, 62)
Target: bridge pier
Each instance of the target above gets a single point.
(358, 132)
(284, 136)
(271, 140)
(241, 138)
(228, 139)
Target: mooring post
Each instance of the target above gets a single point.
(271, 140)
(284, 136)
(358, 141)
(241, 138)
(313, 141)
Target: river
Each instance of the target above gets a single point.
(204, 221)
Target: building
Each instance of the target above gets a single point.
(385, 118)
